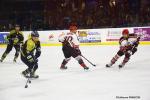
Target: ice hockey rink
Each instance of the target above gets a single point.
(99, 83)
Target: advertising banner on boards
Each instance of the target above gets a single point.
(144, 33)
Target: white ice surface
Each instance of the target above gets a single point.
(99, 83)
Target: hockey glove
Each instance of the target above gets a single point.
(30, 58)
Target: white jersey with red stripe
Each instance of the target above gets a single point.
(69, 39)
(128, 43)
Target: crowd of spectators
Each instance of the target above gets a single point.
(57, 14)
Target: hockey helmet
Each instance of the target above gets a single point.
(73, 26)
(125, 32)
(34, 34)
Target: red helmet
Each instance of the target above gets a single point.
(125, 32)
(73, 26)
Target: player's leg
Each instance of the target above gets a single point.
(76, 54)
(134, 50)
(81, 62)
(29, 64)
(67, 55)
(8, 49)
(35, 67)
(115, 58)
(64, 62)
(125, 60)
(17, 48)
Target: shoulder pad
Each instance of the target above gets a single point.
(12, 31)
(21, 32)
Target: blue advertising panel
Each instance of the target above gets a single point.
(3, 37)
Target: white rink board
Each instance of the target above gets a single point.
(104, 35)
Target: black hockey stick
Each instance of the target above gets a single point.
(29, 77)
(28, 81)
(88, 60)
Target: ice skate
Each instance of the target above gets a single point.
(108, 65)
(86, 68)
(63, 67)
(1, 60)
(15, 59)
(121, 65)
(33, 75)
(25, 74)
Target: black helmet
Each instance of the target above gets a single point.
(34, 34)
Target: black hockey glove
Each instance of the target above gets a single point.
(136, 44)
(31, 58)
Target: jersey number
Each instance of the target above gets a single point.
(68, 38)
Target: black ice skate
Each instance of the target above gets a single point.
(108, 65)
(86, 68)
(34, 76)
(25, 74)
(14, 60)
(63, 67)
(121, 65)
(1, 60)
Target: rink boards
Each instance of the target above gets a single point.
(105, 36)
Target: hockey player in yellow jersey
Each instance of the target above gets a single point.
(30, 51)
(15, 39)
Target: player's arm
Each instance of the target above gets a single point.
(61, 38)
(75, 44)
(124, 45)
(135, 39)
(10, 36)
(21, 39)
(38, 50)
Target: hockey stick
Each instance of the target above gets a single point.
(88, 60)
(28, 81)
(84, 57)
(29, 77)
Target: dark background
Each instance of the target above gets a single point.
(57, 14)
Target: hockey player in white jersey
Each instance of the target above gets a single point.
(70, 47)
(128, 46)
